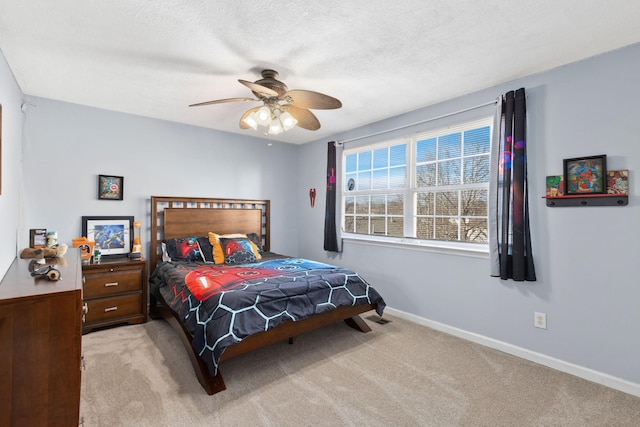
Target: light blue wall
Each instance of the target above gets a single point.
(10, 99)
(585, 257)
(67, 146)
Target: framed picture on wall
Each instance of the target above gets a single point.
(113, 235)
(110, 187)
(585, 175)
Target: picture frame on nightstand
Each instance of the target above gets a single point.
(113, 235)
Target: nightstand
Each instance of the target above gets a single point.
(114, 291)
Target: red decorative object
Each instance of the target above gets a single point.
(312, 196)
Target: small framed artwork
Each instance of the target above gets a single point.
(555, 186)
(585, 175)
(113, 235)
(110, 187)
(37, 237)
(618, 182)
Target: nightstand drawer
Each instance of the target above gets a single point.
(112, 283)
(111, 308)
(115, 291)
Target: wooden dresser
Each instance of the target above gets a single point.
(115, 291)
(41, 345)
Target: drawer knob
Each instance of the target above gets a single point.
(111, 284)
(85, 307)
(106, 310)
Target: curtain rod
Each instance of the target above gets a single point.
(419, 123)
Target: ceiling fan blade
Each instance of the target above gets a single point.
(243, 125)
(306, 119)
(259, 89)
(221, 101)
(310, 99)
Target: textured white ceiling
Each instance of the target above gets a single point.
(380, 58)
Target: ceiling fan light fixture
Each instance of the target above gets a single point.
(287, 120)
(263, 116)
(275, 127)
(281, 109)
(251, 121)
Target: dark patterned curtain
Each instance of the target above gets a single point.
(330, 233)
(509, 234)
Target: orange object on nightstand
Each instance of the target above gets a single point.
(85, 245)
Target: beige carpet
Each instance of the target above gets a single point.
(400, 374)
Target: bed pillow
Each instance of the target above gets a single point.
(206, 249)
(256, 240)
(239, 250)
(184, 249)
(214, 239)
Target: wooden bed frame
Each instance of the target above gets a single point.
(173, 217)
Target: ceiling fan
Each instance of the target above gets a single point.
(281, 109)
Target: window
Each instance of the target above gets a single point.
(432, 186)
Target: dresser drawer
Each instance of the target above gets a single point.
(111, 283)
(114, 307)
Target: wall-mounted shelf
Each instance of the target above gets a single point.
(587, 200)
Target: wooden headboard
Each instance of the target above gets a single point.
(173, 217)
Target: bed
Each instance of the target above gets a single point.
(254, 297)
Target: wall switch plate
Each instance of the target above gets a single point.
(540, 320)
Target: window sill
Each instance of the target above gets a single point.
(449, 248)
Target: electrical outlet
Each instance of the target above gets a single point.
(540, 320)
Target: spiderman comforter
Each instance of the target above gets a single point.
(221, 305)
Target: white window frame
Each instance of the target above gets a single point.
(472, 249)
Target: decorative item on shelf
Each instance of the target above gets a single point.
(136, 252)
(111, 234)
(86, 248)
(555, 186)
(585, 175)
(37, 238)
(618, 182)
(110, 187)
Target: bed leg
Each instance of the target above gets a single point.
(290, 340)
(357, 323)
(212, 385)
(153, 308)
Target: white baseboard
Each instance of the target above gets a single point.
(542, 359)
